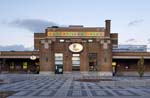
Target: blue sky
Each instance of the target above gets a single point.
(19, 19)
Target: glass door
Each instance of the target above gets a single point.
(58, 63)
(75, 62)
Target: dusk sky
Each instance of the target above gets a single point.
(19, 19)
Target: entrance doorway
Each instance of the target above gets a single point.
(92, 61)
(75, 62)
(58, 63)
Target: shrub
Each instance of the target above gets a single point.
(141, 67)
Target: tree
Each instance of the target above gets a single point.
(141, 66)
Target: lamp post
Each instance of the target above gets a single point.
(33, 58)
(113, 68)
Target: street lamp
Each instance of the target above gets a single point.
(33, 58)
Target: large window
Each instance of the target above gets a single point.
(75, 62)
(58, 59)
(92, 62)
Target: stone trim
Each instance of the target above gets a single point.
(46, 72)
(67, 72)
(105, 44)
(46, 43)
(105, 73)
(17, 57)
(133, 73)
(130, 57)
(84, 72)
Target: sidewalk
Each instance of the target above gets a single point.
(60, 86)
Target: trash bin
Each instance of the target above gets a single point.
(58, 69)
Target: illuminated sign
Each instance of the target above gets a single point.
(62, 34)
(76, 47)
(33, 57)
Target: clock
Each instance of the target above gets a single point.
(76, 47)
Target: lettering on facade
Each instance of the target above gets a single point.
(81, 34)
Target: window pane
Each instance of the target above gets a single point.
(75, 65)
(58, 54)
(58, 62)
(75, 62)
(58, 58)
(75, 58)
(76, 55)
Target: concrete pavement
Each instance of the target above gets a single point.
(34, 86)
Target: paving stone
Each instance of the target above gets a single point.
(146, 91)
(58, 87)
(77, 93)
(45, 93)
(95, 87)
(125, 93)
(115, 87)
(77, 87)
(61, 93)
(23, 93)
(101, 93)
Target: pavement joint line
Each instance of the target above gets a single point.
(43, 86)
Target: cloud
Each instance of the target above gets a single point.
(135, 22)
(130, 40)
(15, 48)
(33, 25)
(148, 40)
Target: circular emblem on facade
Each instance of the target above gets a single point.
(76, 47)
(33, 57)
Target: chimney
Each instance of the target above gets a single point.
(107, 27)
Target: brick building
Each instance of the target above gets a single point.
(64, 50)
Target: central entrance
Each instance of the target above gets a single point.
(58, 63)
(75, 62)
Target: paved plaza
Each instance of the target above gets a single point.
(65, 87)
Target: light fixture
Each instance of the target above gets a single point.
(61, 40)
(90, 40)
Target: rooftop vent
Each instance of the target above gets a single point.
(76, 26)
(55, 26)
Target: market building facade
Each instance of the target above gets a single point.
(76, 48)
(64, 50)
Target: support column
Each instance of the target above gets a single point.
(105, 68)
(67, 59)
(84, 68)
(46, 56)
